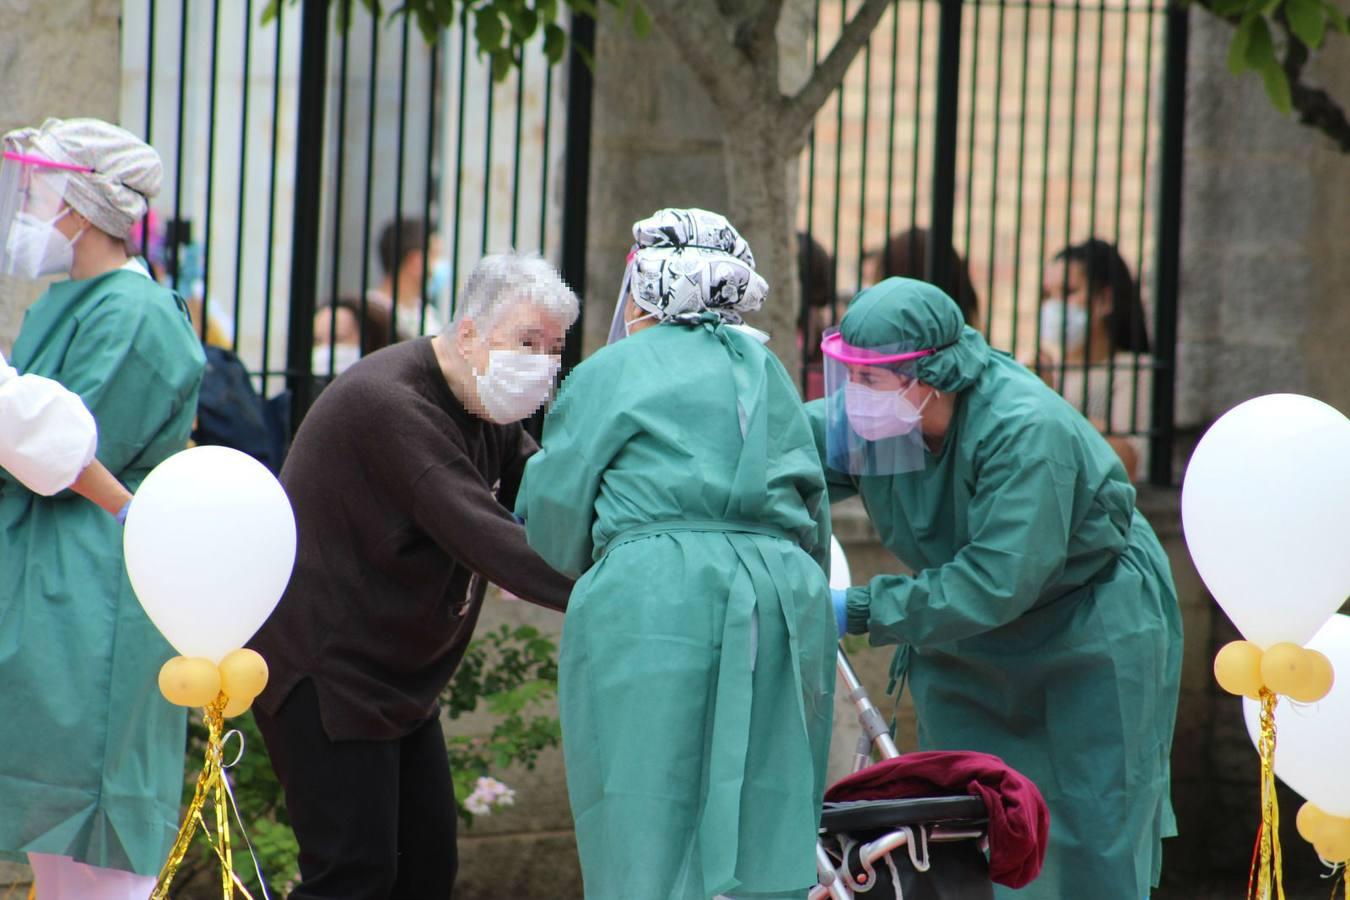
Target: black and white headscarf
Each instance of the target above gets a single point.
(686, 262)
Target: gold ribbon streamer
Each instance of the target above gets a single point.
(210, 784)
(1269, 866)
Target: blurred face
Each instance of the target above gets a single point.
(879, 379)
(1067, 281)
(524, 328)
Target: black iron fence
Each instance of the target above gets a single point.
(320, 180)
(971, 143)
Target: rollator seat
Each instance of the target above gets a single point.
(873, 815)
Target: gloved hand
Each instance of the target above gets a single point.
(122, 513)
(837, 596)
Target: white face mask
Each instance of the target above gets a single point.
(877, 415)
(343, 356)
(515, 384)
(1053, 326)
(35, 248)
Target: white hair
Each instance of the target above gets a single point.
(503, 281)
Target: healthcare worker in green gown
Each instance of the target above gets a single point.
(1040, 623)
(91, 766)
(678, 478)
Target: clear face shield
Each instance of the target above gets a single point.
(32, 200)
(873, 407)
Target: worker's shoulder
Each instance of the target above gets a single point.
(1015, 411)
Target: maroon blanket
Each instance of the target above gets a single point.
(1019, 823)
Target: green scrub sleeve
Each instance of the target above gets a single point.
(1019, 524)
(562, 481)
(127, 391)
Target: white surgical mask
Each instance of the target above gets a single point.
(438, 281)
(343, 356)
(35, 248)
(877, 415)
(1053, 326)
(515, 384)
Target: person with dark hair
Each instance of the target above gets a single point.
(815, 269)
(905, 255)
(1092, 332)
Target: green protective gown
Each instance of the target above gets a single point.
(1041, 624)
(91, 764)
(678, 478)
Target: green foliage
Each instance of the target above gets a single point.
(501, 28)
(507, 672)
(1253, 49)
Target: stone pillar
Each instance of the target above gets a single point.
(56, 59)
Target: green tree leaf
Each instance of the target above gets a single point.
(1277, 88)
(488, 31)
(1306, 21)
(1260, 46)
(1237, 47)
(1336, 18)
(642, 20)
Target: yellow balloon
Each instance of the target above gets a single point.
(1317, 680)
(189, 681)
(1299, 674)
(1333, 839)
(237, 706)
(243, 673)
(1237, 668)
(1311, 822)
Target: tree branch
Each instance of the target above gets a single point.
(1316, 108)
(801, 110)
(764, 25)
(700, 35)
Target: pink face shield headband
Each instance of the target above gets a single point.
(29, 160)
(834, 346)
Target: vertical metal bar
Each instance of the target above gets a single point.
(1045, 158)
(992, 256)
(433, 84)
(398, 181)
(890, 143)
(917, 128)
(243, 176)
(306, 225)
(956, 286)
(1168, 273)
(515, 168)
(175, 237)
(1092, 209)
(459, 153)
(1068, 206)
(487, 164)
(208, 215)
(838, 164)
(272, 213)
(940, 265)
(149, 116)
(339, 175)
(576, 173)
(1147, 119)
(807, 261)
(862, 163)
(543, 178)
(373, 79)
(1021, 176)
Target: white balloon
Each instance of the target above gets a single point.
(209, 544)
(839, 574)
(1311, 739)
(1264, 507)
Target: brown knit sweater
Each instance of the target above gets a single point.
(400, 496)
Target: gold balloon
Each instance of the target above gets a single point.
(1301, 675)
(1333, 839)
(189, 681)
(1237, 668)
(1311, 822)
(243, 673)
(237, 706)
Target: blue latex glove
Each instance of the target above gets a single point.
(519, 520)
(122, 513)
(840, 609)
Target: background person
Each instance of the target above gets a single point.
(91, 791)
(678, 478)
(401, 476)
(1041, 623)
(1092, 335)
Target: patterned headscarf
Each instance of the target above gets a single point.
(689, 261)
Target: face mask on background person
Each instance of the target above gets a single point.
(515, 384)
(37, 248)
(877, 415)
(438, 281)
(343, 355)
(1054, 328)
